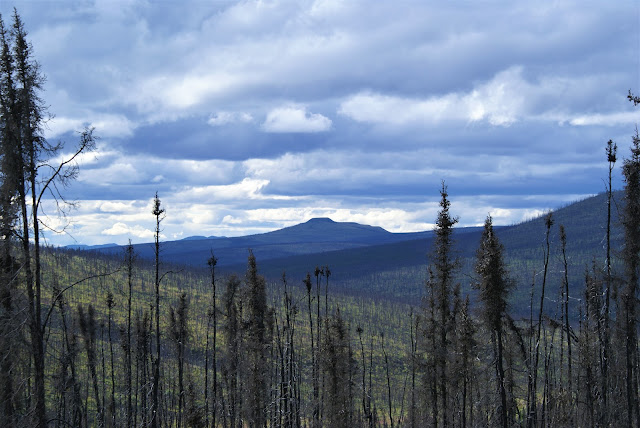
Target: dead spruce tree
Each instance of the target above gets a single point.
(158, 213)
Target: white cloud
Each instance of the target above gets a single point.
(123, 229)
(500, 101)
(106, 125)
(225, 117)
(606, 119)
(61, 125)
(112, 125)
(395, 220)
(248, 188)
(120, 171)
(401, 65)
(116, 206)
(295, 119)
(180, 93)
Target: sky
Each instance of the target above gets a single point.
(250, 116)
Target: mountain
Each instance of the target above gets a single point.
(198, 238)
(397, 270)
(90, 247)
(357, 246)
(371, 260)
(318, 235)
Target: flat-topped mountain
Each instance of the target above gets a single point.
(318, 235)
(372, 260)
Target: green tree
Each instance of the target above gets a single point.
(256, 346)
(629, 295)
(438, 313)
(444, 264)
(27, 178)
(10, 161)
(494, 284)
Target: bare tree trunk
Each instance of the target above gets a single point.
(500, 373)
(129, 259)
(212, 263)
(532, 417)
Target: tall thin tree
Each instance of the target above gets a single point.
(494, 285)
(129, 259)
(158, 212)
(444, 265)
(214, 315)
(611, 150)
(532, 393)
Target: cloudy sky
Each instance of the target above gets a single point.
(249, 116)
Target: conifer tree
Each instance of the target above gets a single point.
(212, 318)
(129, 264)
(494, 286)
(256, 339)
(180, 334)
(337, 365)
(629, 295)
(9, 176)
(314, 357)
(112, 403)
(232, 335)
(24, 152)
(611, 151)
(444, 265)
(158, 213)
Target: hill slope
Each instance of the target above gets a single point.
(370, 260)
(397, 270)
(317, 235)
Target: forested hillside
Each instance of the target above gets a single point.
(381, 265)
(489, 327)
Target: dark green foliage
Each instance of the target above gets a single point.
(494, 286)
(439, 332)
(493, 282)
(23, 150)
(256, 346)
(629, 293)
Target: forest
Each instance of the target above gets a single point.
(95, 340)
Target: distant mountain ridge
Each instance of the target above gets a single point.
(318, 235)
(324, 235)
(372, 260)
